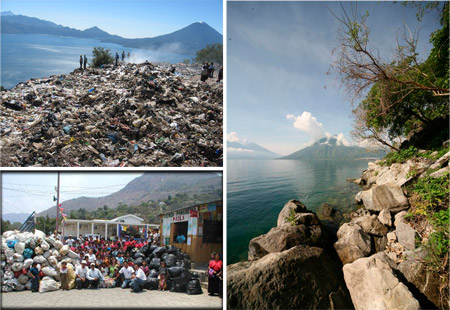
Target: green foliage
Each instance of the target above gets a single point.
(432, 191)
(46, 224)
(211, 53)
(186, 61)
(291, 218)
(100, 57)
(400, 156)
(7, 225)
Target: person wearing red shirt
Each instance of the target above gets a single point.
(214, 275)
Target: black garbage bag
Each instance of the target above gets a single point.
(183, 278)
(152, 273)
(170, 260)
(163, 257)
(144, 249)
(178, 288)
(155, 263)
(175, 271)
(133, 252)
(151, 283)
(151, 249)
(195, 275)
(171, 249)
(169, 284)
(186, 264)
(137, 255)
(159, 251)
(180, 256)
(186, 256)
(194, 287)
(138, 261)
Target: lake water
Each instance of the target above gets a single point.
(257, 190)
(25, 56)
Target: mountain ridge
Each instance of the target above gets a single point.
(187, 40)
(238, 150)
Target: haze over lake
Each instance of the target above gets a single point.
(26, 56)
(258, 189)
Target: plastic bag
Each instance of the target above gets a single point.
(11, 243)
(19, 247)
(170, 260)
(27, 253)
(23, 279)
(51, 241)
(47, 254)
(38, 250)
(175, 271)
(38, 234)
(44, 245)
(152, 283)
(152, 274)
(194, 287)
(27, 263)
(64, 249)
(48, 284)
(17, 266)
(49, 271)
(58, 244)
(52, 260)
(9, 252)
(72, 254)
(171, 249)
(159, 251)
(40, 259)
(155, 263)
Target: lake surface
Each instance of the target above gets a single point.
(257, 190)
(25, 56)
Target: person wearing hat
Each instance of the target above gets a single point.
(81, 276)
(94, 276)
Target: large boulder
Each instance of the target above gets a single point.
(353, 243)
(292, 206)
(371, 225)
(373, 285)
(282, 238)
(301, 277)
(385, 217)
(387, 196)
(427, 281)
(399, 174)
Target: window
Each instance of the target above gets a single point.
(180, 228)
(212, 231)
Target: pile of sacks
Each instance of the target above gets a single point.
(178, 265)
(130, 115)
(20, 250)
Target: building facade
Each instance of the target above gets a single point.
(106, 228)
(202, 227)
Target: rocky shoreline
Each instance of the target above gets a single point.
(372, 262)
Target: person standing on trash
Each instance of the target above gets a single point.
(211, 70)
(81, 62)
(117, 59)
(127, 271)
(204, 74)
(81, 274)
(85, 62)
(94, 276)
(34, 271)
(214, 275)
(137, 279)
(220, 75)
(123, 56)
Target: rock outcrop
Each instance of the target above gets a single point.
(353, 243)
(386, 196)
(373, 285)
(301, 277)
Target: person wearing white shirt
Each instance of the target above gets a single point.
(81, 276)
(127, 272)
(92, 257)
(94, 276)
(138, 279)
(70, 241)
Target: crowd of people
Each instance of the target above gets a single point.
(108, 263)
(208, 72)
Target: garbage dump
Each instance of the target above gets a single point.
(130, 115)
(20, 250)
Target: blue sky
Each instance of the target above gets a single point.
(279, 94)
(25, 192)
(127, 18)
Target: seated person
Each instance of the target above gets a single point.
(94, 276)
(138, 279)
(181, 238)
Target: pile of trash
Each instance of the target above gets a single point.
(130, 115)
(20, 250)
(177, 263)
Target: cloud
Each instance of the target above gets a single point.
(233, 137)
(340, 139)
(308, 124)
(239, 150)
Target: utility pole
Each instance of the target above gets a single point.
(57, 206)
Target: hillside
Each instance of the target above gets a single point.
(15, 217)
(148, 187)
(237, 150)
(187, 40)
(329, 148)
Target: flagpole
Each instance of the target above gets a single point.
(57, 206)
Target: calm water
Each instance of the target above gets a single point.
(25, 56)
(258, 190)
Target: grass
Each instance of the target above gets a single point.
(291, 218)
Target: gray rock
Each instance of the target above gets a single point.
(406, 235)
(427, 281)
(353, 243)
(400, 217)
(440, 173)
(385, 217)
(391, 237)
(295, 205)
(279, 239)
(373, 285)
(358, 197)
(371, 225)
(387, 196)
(438, 163)
(380, 243)
(301, 277)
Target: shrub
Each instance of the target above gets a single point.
(100, 57)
